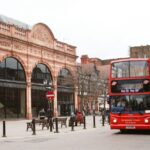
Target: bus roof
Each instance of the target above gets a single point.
(130, 59)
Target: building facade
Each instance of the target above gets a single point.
(140, 51)
(31, 61)
(99, 71)
(92, 72)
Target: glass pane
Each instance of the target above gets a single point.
(41, 73)
(42, 68)
(2, 70)
(2, 102)
(65, 78)
(11, 63)
(138, 68)
(11, 68)
(12, 71)
(130, 69)
(120, 70)
(21, 73)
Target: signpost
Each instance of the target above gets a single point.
(50, 95)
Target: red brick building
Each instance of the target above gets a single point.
(31, 57)
(140, 51)
(103, 68)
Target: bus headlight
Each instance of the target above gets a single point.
(114, 120)
(146, 121)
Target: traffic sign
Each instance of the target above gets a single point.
(50, 95)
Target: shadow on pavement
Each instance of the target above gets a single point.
(134, 132)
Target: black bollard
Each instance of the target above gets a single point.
(34, 129)
(4, 129)
(94, 125)
(72, 123)
(84, 121)
(56, 122)
(51, 124)
(103, 120)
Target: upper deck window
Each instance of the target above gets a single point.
(130, 69)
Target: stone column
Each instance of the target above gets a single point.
(28, 98)
(76, 98)
(55, 99)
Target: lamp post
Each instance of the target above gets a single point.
(50, 97)
(49, 87)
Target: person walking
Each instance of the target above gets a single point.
(49, 118)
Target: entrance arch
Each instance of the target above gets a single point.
(40, 74)
(12, 89)
(65, 95)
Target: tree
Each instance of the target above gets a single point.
(87, 83)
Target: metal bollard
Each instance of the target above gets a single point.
(103, 120)
(84, 119)
(4, 129)
(56, 122)
(72, 123)
(51, 124)
(34, 128)
(94, 125)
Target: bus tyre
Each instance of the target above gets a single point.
(122, 130)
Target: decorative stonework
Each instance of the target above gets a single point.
(5, 43)
(71, 60)
(20, 32)
(60, 57)
(41, 35)
(4, 27)
(19, 47)
(47, 55)
(35, 51)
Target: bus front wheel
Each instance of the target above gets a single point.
(122, 130)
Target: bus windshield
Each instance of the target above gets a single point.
(130, 69)
(130, 104)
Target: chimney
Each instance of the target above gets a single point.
(84, 59)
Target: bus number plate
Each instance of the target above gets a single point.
(130, 127)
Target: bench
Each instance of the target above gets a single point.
(29, 125)
(61, 120)
(43, 122)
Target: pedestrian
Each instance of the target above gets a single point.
(50, 118)
(49, 113)
(103, 117)
(41, 114)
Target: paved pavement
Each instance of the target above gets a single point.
(16, 129)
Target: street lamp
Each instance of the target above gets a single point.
(48, 84)
(49, 87)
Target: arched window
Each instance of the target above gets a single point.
(11, 69)
(12, 89)
(65, 78)
(41, 73)
(65, 95)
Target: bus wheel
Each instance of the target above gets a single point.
(122, 130)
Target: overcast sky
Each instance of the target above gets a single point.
(100, 28)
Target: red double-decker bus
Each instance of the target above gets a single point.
(129, 93)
